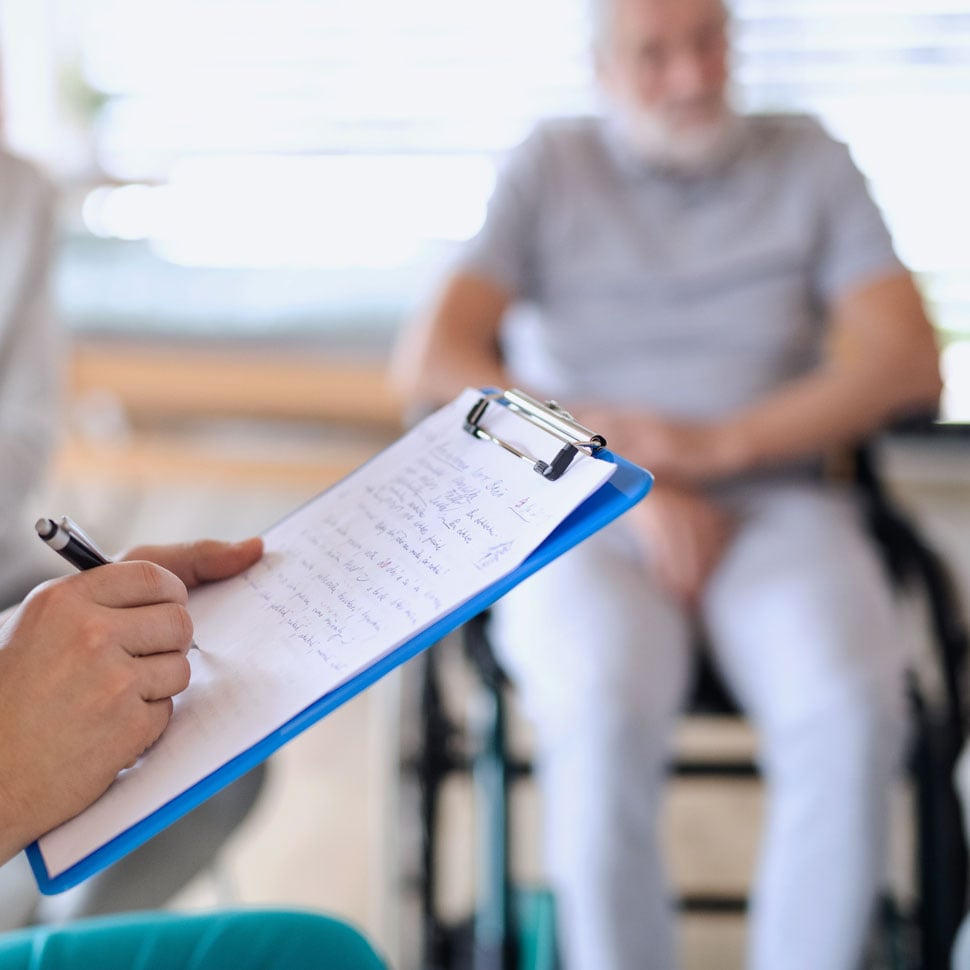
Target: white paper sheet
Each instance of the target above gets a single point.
(421, 528)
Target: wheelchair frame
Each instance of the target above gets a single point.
(504, 933)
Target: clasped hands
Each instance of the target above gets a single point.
(88, 667)
(683, 533)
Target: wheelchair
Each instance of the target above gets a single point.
(513, 927)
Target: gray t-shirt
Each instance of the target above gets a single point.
(694, 296)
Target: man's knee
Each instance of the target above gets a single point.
(847, 735)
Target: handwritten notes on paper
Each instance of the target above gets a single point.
(347, 578)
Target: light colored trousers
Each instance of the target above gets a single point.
(801, 622)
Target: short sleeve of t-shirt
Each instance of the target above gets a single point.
(503, 250)
(854, 244)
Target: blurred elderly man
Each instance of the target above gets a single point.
(718, 295)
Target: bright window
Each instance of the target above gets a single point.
(357, 141)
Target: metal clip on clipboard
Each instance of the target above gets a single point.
(550, 417)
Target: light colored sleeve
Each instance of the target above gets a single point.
(503, 251)
(855, 247)
(31, 347)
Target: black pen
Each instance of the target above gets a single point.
(72, 543)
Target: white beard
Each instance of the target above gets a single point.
(693, 150)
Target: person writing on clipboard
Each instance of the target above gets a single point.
(718, 296)
(89, 665)
(32, 355)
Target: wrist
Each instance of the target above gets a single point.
(13, 835)
(733, 449)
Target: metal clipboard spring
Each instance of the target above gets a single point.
(550, 417)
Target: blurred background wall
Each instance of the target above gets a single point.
(300, 169)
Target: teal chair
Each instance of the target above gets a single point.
(512, 927)
(233, 940)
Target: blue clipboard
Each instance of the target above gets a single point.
(627, 486)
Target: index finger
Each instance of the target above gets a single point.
(124, 584)
(203, 561)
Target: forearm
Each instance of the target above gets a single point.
(883, 365)
(14, 836)
(455, 344)
(817, 413)
(435, 372)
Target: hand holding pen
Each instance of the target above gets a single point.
(192, 562)
(89, 665)
(72, 543)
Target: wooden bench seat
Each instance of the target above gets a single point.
(291, 415)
